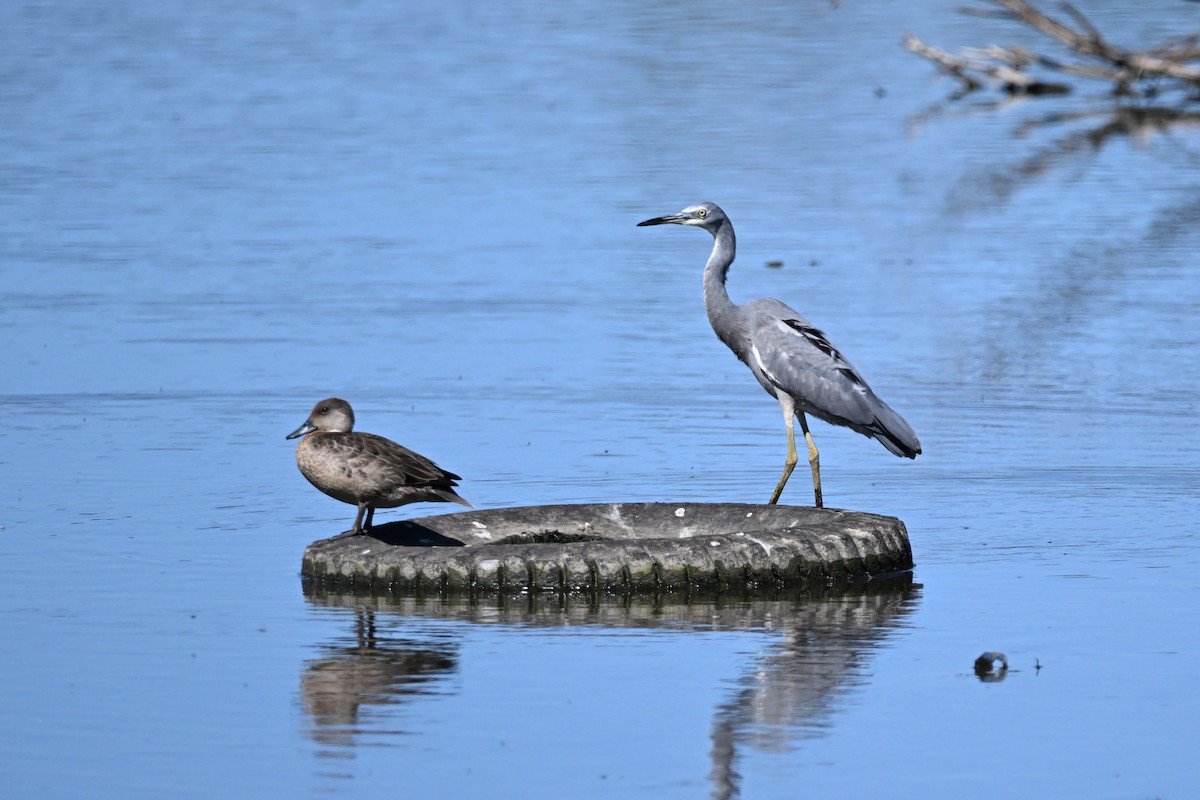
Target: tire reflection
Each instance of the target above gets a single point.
(823, 646)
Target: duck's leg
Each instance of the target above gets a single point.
(357, 529)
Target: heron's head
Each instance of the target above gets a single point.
(333, 414)
(702, 215)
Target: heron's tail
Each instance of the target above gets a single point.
(893, 432)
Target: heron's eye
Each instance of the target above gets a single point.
(701, 212)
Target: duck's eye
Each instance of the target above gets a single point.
(323, 410)
(702, 213)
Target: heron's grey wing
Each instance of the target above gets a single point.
(796, 357)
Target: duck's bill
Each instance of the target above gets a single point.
(307, 427)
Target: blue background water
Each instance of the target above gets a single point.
(212, 215)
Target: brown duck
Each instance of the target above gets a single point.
(363, 469)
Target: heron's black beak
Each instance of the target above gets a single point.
(678, 219)
(307, 427)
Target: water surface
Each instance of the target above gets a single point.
(211, 217)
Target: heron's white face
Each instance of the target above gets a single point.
(694, 215)
(701, 215)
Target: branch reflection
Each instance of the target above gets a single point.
(1075, 132)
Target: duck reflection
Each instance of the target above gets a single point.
(368, 670)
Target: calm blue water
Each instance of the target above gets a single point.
(213, 215)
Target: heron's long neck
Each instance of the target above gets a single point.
(716, 298)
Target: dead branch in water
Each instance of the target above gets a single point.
(1171, 65)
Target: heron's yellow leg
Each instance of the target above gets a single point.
(790, 464)
(814, 460)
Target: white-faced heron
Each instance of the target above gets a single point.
(792, 359)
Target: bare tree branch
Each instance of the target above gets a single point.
(1096, 57)
(1011, 75)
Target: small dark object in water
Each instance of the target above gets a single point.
(985, 666)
